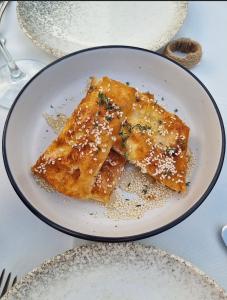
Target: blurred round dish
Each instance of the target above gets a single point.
(120, 271)
(62, 27)
(66, 78)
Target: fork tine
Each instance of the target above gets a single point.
(1, 277)
(6, 285)
(14, 280)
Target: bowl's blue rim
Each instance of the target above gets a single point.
(125, 238)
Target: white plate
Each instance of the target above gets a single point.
(62, 27)
(117, 271)
(25, 137)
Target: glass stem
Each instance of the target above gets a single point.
(15, 72)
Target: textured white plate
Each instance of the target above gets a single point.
(25, 137)
(117, 271)
(61, 27)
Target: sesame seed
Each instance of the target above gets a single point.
(133, 182)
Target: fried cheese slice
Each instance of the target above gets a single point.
(108, 177)
(73, 160)
(156, 141)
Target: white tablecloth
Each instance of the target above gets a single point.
(25, 241)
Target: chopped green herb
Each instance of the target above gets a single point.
(138, 205)
(127, 126)
(108, 118)
(103, 99)
(123, 142)
(127, 83)
(129, 184)
(122, 133)
(160, 122)
(91, 214)
(51, 106)
(126, 155)
(188, 183)
(127, 199)
(162, 98)
(110, 106)
(124, 137)
(175, 110)
(144, 191)
(141, 127)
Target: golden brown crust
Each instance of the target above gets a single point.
(72, 162)
(80, 162)
(156, 141)
(108, 177)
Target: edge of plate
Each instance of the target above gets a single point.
(125, 238)
(183, 9)
(69, 255)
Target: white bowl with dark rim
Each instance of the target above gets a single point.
(25, 137)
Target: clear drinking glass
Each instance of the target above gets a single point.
(14, 75)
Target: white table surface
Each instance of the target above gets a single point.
(25, 241)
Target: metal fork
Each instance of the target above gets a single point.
(6, 285)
